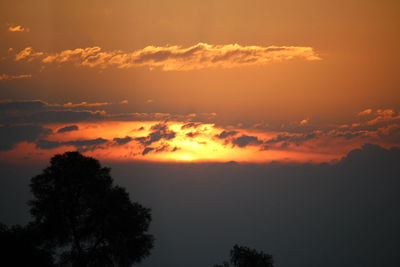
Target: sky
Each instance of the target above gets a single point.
(303, 81)
(178, 84)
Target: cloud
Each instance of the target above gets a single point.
(159, 131)
(10, 135)
(246, 140)
(204, 55)
(23, 105)
(374, 154)
(385, 112)
(68, 129)
(304, 122)
(27, 54)
(175, 58)
(225, 134)
(90, 56)
(57, 116)
(191, 125)
(83, 145)
(284, 140)
(5, 77)
(159, 149)
(384, 116)
(192, 134)
(147, 150)
(39, 111)
(17, 28)
(346, 134)
(122, 141)
(86, 104)
(381, 118)
(367, 111)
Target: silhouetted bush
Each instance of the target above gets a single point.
(23, 247)
(246, 257)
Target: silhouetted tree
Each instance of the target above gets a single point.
(246, 257)
(85, 217)
(22, 246)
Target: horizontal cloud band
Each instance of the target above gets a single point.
(175, 58)
(5, 77)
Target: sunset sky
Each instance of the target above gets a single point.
(289, 80)
(270, 124)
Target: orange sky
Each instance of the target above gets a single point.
(301, 70)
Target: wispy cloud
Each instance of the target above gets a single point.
(175, 58)
(40, 104)
(86, 104)
(68, 128)
(304, 122)
(367, 111)
(18, 28)
(4, 77)
(27, 54)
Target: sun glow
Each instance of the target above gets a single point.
(163, 142)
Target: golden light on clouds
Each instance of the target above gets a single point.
(176, 142)
(42, 129)
(174, 58)
(18, 28)
(27, 54)
(265, 87)
(4, 77)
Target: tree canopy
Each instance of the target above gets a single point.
(85, 218)
(242, 256)
(22, 246)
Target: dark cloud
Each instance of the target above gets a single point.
(159, 131)
(159, 149)
(374, 154)
(225, 134)
(39, 111)
(82, 145)
(23, 105)
(192, 134)
(68, 129)
(10, 135)
(65, 116)
(191, 125)
(56, 116)
(147, 150)
(163, 148)
(40, 104)
(291, 138)
(246, 140)
(122, 141)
